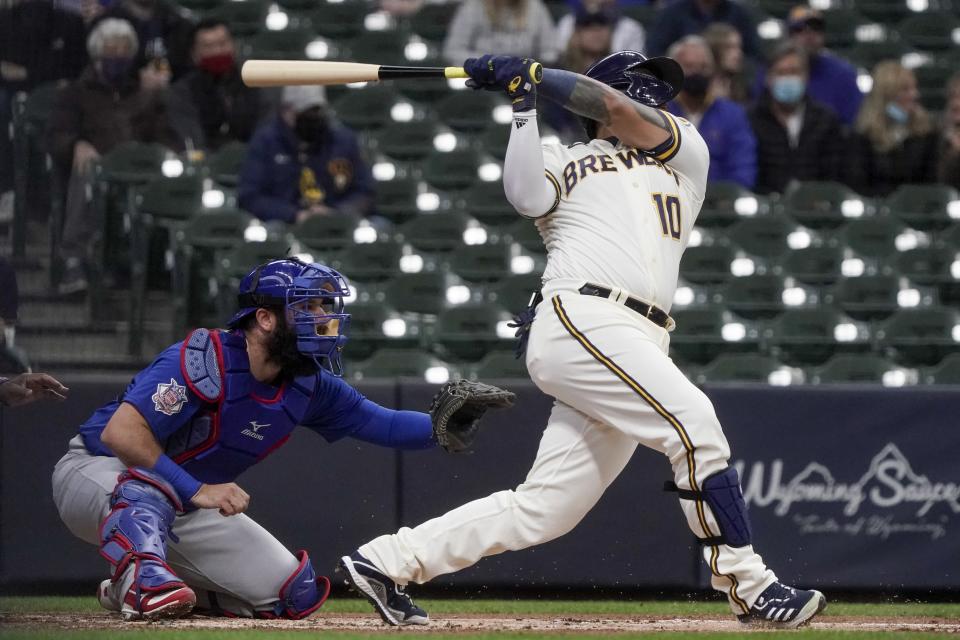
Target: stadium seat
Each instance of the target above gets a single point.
(366, 330)
(861, 368)
(234, 264)
(920, 336)
(727, 202)
(823, 204)
(500, 364)
(426, 90)
(435, 233)
(423, 292)
(884, 11)
(368, 108)
(765, 237)
(841, 27)
(396, 363)
(225, 163)
(407, 141)
(432, 21)
(525, 233)
(245, 18)
(931, 30)
(327, 232)
(740, 367)
(469, 111)
(707, 264)
(487, 202)
(922, 206)
(804, 337)
(396, 200)
(866, 55)
(513, 294)
(494, 140)
(469, 332)
(370, 262)
(873, 238)
(814, 265)
(481, 262)
(926, 265)
(950, 237)
(453, 170)
(338, 20)
(698, 337)
(132, 163)
(376, 46)
(754, 297)
(947, 372)
(867, 297)
(172, 199)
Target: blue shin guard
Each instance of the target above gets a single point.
(721, 491)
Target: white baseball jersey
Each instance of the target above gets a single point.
(623, 217)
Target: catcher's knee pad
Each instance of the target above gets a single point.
(301, 594)
(721, 491)
(144, 506)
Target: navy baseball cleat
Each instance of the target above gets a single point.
(389, 598)
(783, 606)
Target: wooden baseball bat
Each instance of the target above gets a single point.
(276, 73)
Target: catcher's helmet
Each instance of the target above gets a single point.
(649, 81)
(311, 294)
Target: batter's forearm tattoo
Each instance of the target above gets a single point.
(592, 99)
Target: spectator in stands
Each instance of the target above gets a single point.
(39, 43)
(950, 145)
(833, 80)
(210, 105)
(303, 164)
(895, 142)
(688, 17)
(509, 27)
(797, 137)
(112, 102)
(626, 33)
(163, 33)
(590, 41)
(721, 121)
(401, 8)
(733, 75)
(30, 387)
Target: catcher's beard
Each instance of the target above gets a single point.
(282, 350)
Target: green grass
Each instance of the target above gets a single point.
(439, 608)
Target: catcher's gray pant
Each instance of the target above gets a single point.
(615, 388)
(234, 557)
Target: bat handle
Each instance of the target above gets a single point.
(454, 72)
(536, 72)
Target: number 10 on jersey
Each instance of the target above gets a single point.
(669, 209)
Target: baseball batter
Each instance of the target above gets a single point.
(150, 478)
(615, 214)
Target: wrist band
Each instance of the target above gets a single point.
(184, 483)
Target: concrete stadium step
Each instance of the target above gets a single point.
(82, 349)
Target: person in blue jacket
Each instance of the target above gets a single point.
(303, 163)
(151, 476)
(722, 122)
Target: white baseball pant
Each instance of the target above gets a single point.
(615, 387)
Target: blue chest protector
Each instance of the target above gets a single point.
(244, 420)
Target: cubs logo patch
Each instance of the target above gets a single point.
(169, 398)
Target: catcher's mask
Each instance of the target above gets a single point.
(311, 295)
(649, 81)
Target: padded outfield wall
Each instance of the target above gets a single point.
(854, 488)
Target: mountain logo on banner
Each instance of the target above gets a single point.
(890, 486)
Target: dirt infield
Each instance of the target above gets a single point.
(474, 624)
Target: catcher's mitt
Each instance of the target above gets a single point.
(457, 408)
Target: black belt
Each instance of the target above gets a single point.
(654, 314)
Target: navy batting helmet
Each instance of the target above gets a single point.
(312, 296)
(649, 81)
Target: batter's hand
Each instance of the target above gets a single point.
(30, 387)
(518, 77)
(228, 497)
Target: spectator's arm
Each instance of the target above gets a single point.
(151, 121)
(184, 117)
(742, 162)
(63, 127)
(254, 193)
(459, 44)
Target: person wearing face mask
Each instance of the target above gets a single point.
(895, 142)
(210, 105)
(110, 103)
(797, 137)
(163, 30)
(950, 143)
(303, 163)
(722, 122)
